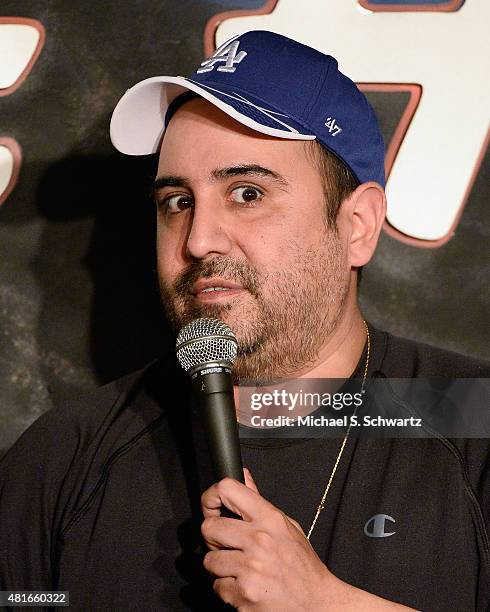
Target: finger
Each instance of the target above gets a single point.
(211, 501)
(249, 481)
(222, 563)
(226, 589)
(219, 532)
(238, 498)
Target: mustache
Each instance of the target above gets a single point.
(239, 272)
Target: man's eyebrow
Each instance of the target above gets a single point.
(248, 170)
(170, 181)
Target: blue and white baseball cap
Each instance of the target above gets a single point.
(270, 83)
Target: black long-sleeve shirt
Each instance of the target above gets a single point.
(102, 498)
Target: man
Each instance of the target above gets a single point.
(269, 199)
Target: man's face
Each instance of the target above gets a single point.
(242, 237)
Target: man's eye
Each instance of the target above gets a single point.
(177, 203)
(245, 195)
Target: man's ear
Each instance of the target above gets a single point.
(365, 211)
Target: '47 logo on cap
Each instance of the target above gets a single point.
(228, 54)
(333, 126)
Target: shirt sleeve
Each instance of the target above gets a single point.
(31, 474)
(476, 459)
(42, 479)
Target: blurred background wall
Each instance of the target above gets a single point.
(78, 299)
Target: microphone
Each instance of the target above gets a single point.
(206, 349)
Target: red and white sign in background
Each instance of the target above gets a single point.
(437, 52)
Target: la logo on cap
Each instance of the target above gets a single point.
(227, 53)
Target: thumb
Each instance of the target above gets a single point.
(249, 481)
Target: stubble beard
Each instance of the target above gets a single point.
(287, 317)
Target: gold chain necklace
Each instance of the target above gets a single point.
(344, 441)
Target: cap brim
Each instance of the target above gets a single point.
(138, 121)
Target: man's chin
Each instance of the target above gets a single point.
(235, 313)
(209, 311)
(254, 361)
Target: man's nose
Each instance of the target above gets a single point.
(208, 234)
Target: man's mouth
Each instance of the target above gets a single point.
(215, 288)
(208, 289)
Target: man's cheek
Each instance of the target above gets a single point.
(167, 273)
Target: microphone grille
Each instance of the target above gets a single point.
(205, 341)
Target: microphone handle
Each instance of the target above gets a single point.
(214, 388)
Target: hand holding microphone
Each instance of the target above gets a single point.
(206, 349)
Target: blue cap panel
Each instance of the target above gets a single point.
(271, 78)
